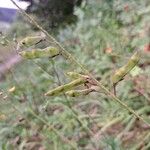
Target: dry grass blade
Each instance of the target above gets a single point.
(50, 127)
(62, 137)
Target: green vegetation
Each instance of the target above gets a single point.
(103, 40)
(53, 13)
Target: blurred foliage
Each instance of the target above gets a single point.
(53, 13)
(105, 36)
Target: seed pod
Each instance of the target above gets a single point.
(74, 75)
(29, 41)
(66, 87)
(76, 93)
(38, 53)
(120, 73)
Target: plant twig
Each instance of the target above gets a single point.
(62, 137)
(86, 128)
(68, 56)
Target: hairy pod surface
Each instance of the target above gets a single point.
(66, 87)
(76, 93)
(120, 73)
(74, 75)
(38, 53)
(29, 41)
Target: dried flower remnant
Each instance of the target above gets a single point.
(147, 48)
(108, 50)
(12, 89)
(126, 8)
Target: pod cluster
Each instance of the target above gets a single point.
(37, 52)
(77, 79)
(68, 89)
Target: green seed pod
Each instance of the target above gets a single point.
(29, 41)
(76, 93)
(74, 75)
(66, 87)
(38, 53)
(120, 73)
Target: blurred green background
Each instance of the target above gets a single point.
(102, 35)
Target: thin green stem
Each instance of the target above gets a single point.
(68, 56)
(62, 137)
(86, 128)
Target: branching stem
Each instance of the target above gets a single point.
(68, 56)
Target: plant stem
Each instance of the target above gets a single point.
(68, 56)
